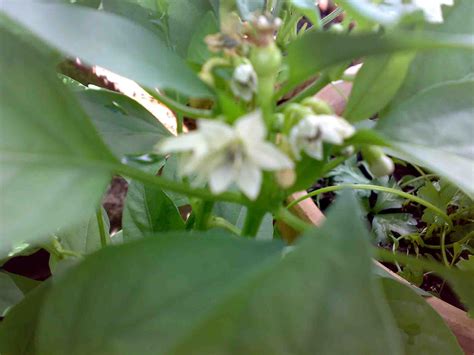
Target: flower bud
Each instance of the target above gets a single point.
(319, 107)
(285, 178)
(379, 163)
(348, 151)
(244, 82)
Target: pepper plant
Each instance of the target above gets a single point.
(224, 278)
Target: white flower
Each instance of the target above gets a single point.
(222, 154)
(244, 82)
(310, 133)
(432, 8)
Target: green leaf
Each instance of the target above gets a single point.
(442, 65)
(466, 264)
(83, 237)
(383, 225)
(315, 51)
(386, 200)
(54, 166)
(462, 281)
(211, 294)
(440, 194)
(144, 12)
(17, 330)
(132, 51)
(125, 125)
(423, 330)
(309, 9)
(198, 52)
(185, 17)
(148, 210)
(376, 84)
(434, 129)
(170, 172)
(10, 294)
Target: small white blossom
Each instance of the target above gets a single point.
(431, 8)
(244, 82)
(312, 131)
(222, 154)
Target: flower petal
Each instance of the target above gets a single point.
(249, 180)
(268, 157)
(221, 178)
(251, 127)
(181, 143)
(314, 150)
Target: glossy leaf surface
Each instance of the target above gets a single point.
(48, 149)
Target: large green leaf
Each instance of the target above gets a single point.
(10, 293)
(83, 237)
(148, 210)
(434, 129)
(184, 18)
(126, 126)
(212, 294)
(376, 84)
(422, 329)
(445, 64)
(317, 50)
(198, 52)
(54, 167)
(17, 330)
(110, 41)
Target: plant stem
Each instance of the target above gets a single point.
(253, 219)
(314, 88)
(203, 209)
(102, 232)
(376, 188)
(180, 108)
(219, 222)
(418, 178)
(469, 236)
(178, 187)
(443, 248)
(291, 220)
(331, 16)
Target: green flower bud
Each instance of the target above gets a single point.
(379, 163)
(319, 107)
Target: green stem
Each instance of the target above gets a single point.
(253, 219)
(180, 108)
(469, 236)
(102, 232)
(443, 248)
(219, 222)
(291, 220)
(311, 90)
(265, 97)
(203, 213)
(418, 178)
(331, 16)
(178, 187)
(376, 188)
